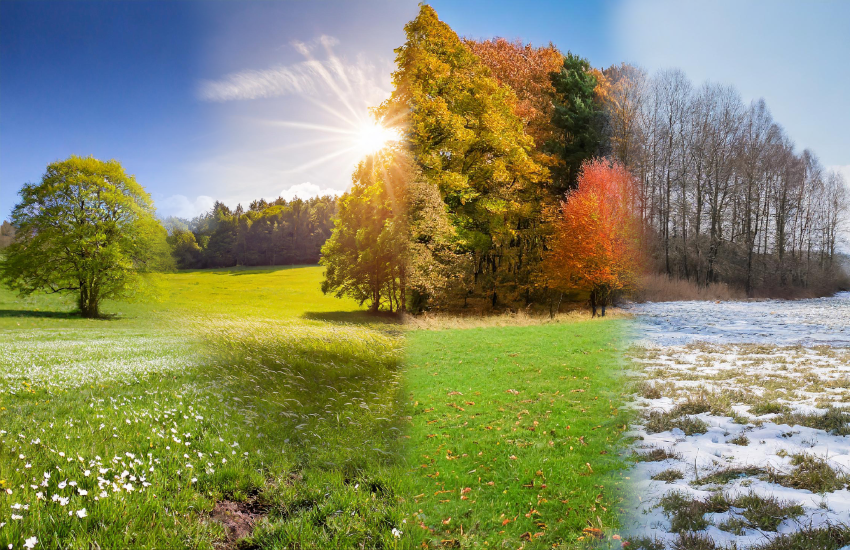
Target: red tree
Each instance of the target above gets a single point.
(596, 243)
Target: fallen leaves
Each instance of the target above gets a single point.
(593, 532)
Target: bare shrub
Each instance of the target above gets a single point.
(660, 288)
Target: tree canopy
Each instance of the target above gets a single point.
(461, 127)
(365, 257)
(578, 117)
(87, 228)
(596, 244)
(277, 232)
(521, 186)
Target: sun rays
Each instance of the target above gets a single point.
(349, 131)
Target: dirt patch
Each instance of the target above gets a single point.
(238, 518)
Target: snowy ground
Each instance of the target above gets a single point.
(743, 422)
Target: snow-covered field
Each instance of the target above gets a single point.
(744, 424)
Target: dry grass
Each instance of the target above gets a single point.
(521, 318)
(660, 288)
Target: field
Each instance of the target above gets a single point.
(743, 437)
(246, 409)
(516, 431)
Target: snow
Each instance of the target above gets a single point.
(793, 353)
(820, 321)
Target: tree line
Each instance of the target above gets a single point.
(726, 196)
(278, 232)
(469, 209)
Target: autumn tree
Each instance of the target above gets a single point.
(596, 241)
(526, 70)
(87, 228)
(462, 129)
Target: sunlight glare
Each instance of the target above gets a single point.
(372, 137)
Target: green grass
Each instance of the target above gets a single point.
(233, 387)
(242, 292)
(250, 386)
(515, 433)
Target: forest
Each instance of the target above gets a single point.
(473, 207)
(724, 192)
(279, 232)
(468, 208)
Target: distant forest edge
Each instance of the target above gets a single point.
(279, 232)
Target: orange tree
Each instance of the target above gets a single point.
(596, 238)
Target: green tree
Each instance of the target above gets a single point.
(578, 116)
(365, 257)
(184, 248)
(461, 127)
(87, 228)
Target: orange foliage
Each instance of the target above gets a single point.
(602, 92)
(596, 240)
(525, 69)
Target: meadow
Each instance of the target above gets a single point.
(245, 409)
(515, 437)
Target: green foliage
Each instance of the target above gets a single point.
(184, 248)
(578, 117)
(87, 228)
(365, 256)
(269, 233)
(7, 234)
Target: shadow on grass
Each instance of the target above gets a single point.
(31, 313)
(36, 314)
(356, 317)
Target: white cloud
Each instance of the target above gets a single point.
(359, 78)
(306, 190)
(182, 207)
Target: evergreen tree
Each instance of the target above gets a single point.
(578, 116)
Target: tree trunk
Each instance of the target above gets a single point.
(88, 302)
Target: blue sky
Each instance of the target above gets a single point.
(241, 100)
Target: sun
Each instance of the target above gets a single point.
(371, 137)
